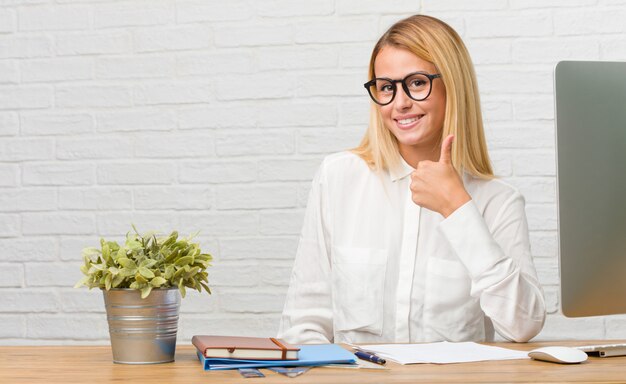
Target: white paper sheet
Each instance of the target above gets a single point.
(442, 353)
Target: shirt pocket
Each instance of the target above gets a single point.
(358, 288)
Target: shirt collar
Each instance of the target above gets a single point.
(403, 169)
(400, 171)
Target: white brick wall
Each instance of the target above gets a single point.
(214, 115)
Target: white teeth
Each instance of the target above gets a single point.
(408, 121)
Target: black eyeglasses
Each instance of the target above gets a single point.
(416, 85)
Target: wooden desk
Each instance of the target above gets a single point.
(89, 364)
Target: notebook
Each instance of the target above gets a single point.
(251, 348)
(310, 355)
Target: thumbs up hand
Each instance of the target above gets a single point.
(436, 185)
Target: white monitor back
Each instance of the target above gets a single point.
(590, 100)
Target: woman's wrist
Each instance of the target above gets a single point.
(457, 202)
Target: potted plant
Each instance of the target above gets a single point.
(142, 282)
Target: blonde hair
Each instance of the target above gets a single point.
(433, 40)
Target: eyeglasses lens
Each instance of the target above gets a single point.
(418, 86)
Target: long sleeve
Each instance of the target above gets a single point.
(500, 266)
(308, 315)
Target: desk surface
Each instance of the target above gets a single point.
(93, 364)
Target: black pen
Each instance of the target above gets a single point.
(370, 357)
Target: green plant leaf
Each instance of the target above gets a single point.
(83, 281)
(181, 288)
(90, 251)
(147, 263)
(140, 279)
(184, 261)
(147, 237)
(107, 282)
(206, 287)
(127, 263)
(145, 291)
(145, 272)
(120, 254)
(127, 272)
(133, 245)
(192, 272)
(99, 267)
(171, 239)
(178, 273)
(169, 272)
(154, 246)
(157, 281)
(172, 256)
(106, 251)
(117, 280)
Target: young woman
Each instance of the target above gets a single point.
(409, 237)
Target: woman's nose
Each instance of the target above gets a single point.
(402, 100)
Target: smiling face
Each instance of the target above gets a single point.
(417, 125)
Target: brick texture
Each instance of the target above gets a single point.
(214, 116)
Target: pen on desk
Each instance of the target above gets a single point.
(370, 357)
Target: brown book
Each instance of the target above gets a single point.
(251, 348)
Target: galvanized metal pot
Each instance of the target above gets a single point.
(143, 331)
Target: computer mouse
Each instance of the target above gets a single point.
(563, 355)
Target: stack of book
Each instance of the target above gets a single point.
(234, 352)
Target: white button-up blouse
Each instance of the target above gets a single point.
(374, 267)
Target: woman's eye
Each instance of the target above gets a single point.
(386, 88)
(417, 83)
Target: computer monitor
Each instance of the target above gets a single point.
(590, 100)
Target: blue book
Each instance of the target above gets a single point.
(309, 355)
